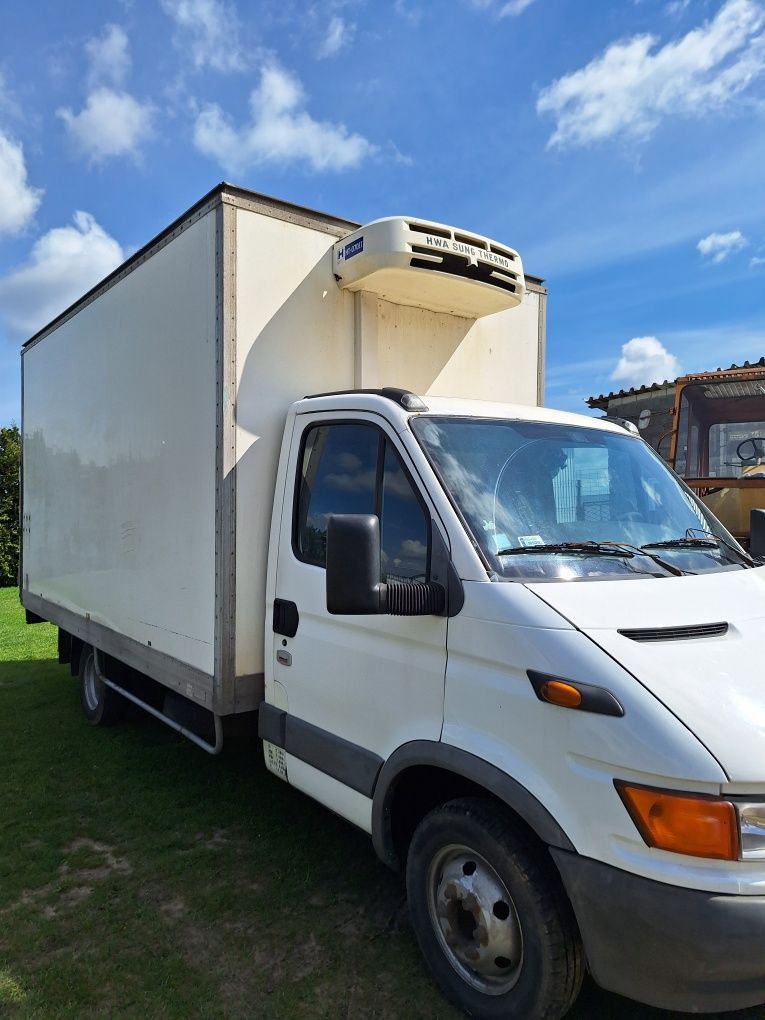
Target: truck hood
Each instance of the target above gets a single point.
(715, 685)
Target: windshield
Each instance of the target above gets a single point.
(558, 502)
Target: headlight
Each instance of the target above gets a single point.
(751, 821)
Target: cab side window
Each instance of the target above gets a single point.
(338, 476)
(353, 469)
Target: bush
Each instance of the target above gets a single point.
(10, 462)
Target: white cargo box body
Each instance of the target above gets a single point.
(152, 415)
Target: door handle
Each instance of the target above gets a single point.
(286, 618)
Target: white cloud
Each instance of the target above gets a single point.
(633, 85)
(109, 56)
(645, 360)
(508, 9)
(718, 247)
(209, 30)
(63, 264)
(110, 124)
(756, 260)
(513, 8)
(18, 200)
(339, 34)
(413, 14)
(281, 131)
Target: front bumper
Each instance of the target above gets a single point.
(666, 946)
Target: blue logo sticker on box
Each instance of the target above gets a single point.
(354, 248)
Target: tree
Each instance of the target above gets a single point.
(10, 462)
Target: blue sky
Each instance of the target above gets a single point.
(619, 146)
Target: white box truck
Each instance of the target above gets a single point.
(281, 464)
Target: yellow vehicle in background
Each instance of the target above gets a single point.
(717, 443)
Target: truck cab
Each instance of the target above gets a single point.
(493, 644)
(717, 443)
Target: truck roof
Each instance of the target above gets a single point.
(244, 198)
(389, 406)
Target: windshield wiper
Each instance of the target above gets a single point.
(623, 550)
(591, 548)
(690, 541)
(682, 543)
(721, 541)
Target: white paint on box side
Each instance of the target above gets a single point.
(491, 358)
(119, 448)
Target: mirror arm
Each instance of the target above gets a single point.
(418, 598)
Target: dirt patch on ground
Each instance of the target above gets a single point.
(173, 910)
(110, 863)
(254, 958)
(293, 963)
(86, 863)
(219, 839)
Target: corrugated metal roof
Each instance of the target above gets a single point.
(602, 401)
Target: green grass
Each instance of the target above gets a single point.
(140, 877)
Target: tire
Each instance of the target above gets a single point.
(100, 704)
(491, 917)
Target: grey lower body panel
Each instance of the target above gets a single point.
(349, 763)
(188, 681)
(663, 945)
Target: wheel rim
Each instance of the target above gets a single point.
(90, 684)
(475, 920)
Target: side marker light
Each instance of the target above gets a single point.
(559, 693)
(556, 690)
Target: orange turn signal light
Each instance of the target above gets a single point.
(559, 693)
(692, 824)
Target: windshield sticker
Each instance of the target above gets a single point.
(525, 541)
(501, 541)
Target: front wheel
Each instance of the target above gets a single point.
(100, 704)
(490, 915)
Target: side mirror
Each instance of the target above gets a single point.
(353, 565)
(353, 574)
(757, 534)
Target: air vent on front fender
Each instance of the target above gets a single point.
(701, 630)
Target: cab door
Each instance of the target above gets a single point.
(355, 687)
